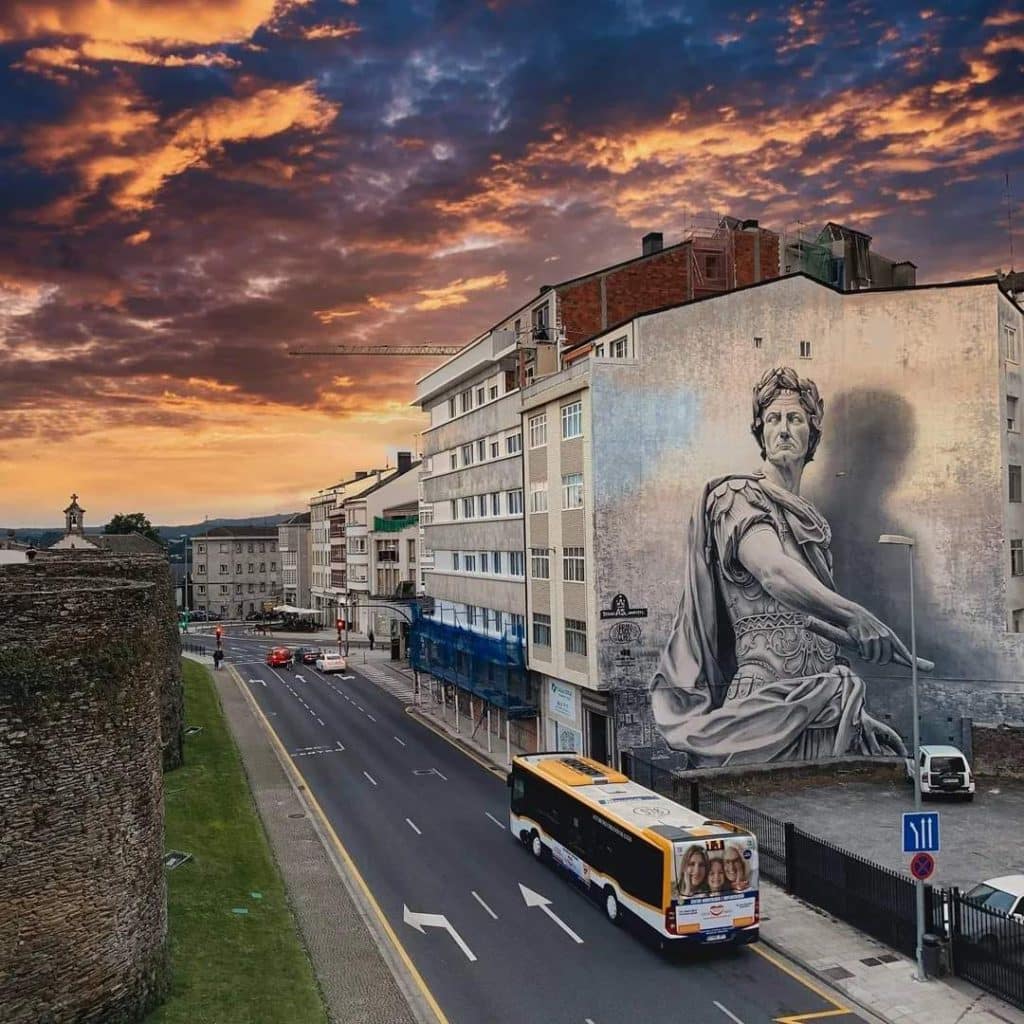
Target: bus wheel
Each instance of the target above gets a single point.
(611, 906)
(537, 846)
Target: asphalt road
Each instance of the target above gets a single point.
(427, 827)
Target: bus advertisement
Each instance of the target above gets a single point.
(689, 878)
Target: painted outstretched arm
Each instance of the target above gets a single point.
(791, 583)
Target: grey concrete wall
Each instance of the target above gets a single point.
(504, 474)
(502, 595)
(488, 419)
(475, 535)
(83, 918)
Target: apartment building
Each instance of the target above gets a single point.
(921, 437)
(295, 546)
(236, 570)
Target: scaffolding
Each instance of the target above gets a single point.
(491, 668)
(804, 255)
(712, 254)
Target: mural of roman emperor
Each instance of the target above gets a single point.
(750, 672)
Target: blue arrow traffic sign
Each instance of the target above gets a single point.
(921, 832)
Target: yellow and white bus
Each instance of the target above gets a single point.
(688, 878)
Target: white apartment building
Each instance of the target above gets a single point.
(236, 570)
(295, 545)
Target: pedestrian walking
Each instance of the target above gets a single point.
(218, 657)
(369, 636)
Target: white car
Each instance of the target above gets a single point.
(944, 770)
(332, 661)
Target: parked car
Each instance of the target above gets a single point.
(332, 661)
(944, 770)
(999, 934)
(279, 656)
(307, 655)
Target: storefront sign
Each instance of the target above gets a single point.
(620, 609)
(561, 700)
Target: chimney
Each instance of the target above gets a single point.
(404, 462)
(652, 242)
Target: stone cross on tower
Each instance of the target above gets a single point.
(73, 516)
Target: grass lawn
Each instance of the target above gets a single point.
(236, 955)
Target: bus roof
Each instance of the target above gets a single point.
(618, 797)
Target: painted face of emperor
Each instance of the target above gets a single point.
(786, 430)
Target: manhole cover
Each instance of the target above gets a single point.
(299, 815)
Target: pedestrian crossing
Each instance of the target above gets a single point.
(398, 684)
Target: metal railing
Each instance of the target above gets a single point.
(987, 946)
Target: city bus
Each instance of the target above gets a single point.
(690, 879)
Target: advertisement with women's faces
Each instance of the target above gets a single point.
(723, 867)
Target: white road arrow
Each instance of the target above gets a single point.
(301, 679)
(534, 899)
(419, 921)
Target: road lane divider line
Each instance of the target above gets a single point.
(320, 720)
(417, 994)
(370, 777)
(484, 905)
(412, 825)
(371, 718)
(397, 740)
(494, 819)
(732, 1016)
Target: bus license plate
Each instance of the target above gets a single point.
(717, 937)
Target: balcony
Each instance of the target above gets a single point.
(337, 530)
(339, 580)
(381, 525)
(387, 556)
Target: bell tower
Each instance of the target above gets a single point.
(74, 514)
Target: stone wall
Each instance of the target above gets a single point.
(999, 751)
(83, 916)
(156, 570)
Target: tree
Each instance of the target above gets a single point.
(133, 522)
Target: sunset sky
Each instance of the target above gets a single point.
(190, 187)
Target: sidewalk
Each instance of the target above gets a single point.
(867, 972)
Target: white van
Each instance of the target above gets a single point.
(944, 770)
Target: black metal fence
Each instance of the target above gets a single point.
(987, 948)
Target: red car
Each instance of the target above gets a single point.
(278, 656)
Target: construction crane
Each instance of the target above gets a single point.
(381, 350)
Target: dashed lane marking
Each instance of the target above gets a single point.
(494, 819)
(732, 1016)
(398, 740)
(413, 827)
(484, 905)
(370, 777)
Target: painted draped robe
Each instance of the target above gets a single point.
(741, 680)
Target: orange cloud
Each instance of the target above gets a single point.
(454, 294)
(138, 238)
(340, 31)
(139, 22)
(66, 58)
(327, 316)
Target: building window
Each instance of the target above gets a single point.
(453, 460)
(572, 421)
(451, 408)
(224, 589)
(485, 561)
(496, 561)
(510, 381)
(1015, 483)
(263, 547)
(572, 490)
(273, 566)
(1017, 557)
(455, 560)
(466, 401)
(470, 614)
(252, 548)
(514, 444)
(495, 503)
(757, 342)
(1011, 349)
(470, 562)
(201, 569)
(223, 570)
(538, 430)
(599, 351)
(238, 568)
(238, 549)
(467, 455)
(202, 549)
(805, 350)
(540, 323)
(467, 508)
(1018, 620)
(455, 508)
(540, 564)
(1011, 413)
(515, 503)
(541, 630)
(713, 266)
(225, 548)
(238, 588)
(263, 566)
(481, 450)
(480, 393)
(573, 565)
(481, 505)
(619, 348)
(252, 588)
(517, 563)
(516, 625)
(202, 588)
(252, 567)
(575, 637)
(495, 449)
(539, 497)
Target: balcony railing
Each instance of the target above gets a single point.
(381, 525)
(339, 580)
(387, 556)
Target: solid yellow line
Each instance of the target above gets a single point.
(344, 854)
(412, 712)
(839, 1008)
(801, 1018)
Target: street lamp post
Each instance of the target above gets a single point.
(908, 543)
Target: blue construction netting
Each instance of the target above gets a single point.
(491, 668)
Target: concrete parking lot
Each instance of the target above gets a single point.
(860, 811)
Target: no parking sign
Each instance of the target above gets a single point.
(922, 866)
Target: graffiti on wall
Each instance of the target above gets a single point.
(757, 665)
